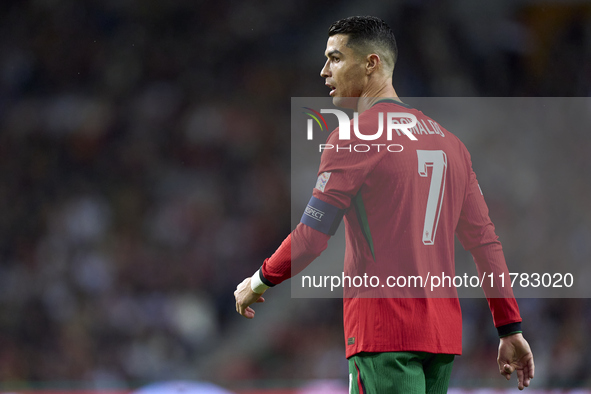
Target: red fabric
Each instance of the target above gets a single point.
(298, 250)
(359, 384)
(395, 197)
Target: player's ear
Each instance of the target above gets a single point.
(372, 63)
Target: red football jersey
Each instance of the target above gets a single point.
(402, 201)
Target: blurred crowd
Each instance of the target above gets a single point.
(144, 172)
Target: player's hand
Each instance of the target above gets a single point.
(246, 297)
(515, 355)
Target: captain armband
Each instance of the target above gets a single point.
(322, 216)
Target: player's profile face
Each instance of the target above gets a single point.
(344, 72)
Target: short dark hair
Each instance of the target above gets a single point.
(366, 30)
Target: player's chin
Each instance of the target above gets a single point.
(345, 102)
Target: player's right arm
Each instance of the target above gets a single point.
(477, 234)
(515, 356)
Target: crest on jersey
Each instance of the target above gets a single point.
(322, 180)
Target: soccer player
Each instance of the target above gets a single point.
(401, 211)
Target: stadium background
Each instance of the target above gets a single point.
(144, 172)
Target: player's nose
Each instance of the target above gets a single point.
(325, 72)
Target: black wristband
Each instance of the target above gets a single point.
(265, 280)
(509, 329)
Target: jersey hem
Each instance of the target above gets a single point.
(384, 349)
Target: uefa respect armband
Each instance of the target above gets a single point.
(322, 216)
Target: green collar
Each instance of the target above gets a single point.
(389, 100)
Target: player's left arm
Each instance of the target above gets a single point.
(340, 177)
(296, 252)
(306, 242)
(246, 296)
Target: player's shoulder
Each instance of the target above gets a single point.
(387, 105)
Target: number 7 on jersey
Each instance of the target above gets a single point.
(437, 159)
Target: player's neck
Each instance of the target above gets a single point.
(375, 93)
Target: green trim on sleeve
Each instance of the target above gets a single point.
(363, 222)
(509, 329)
(511, 333)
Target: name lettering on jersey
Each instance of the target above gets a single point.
(424, 128)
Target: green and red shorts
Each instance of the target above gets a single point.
(399, 372)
